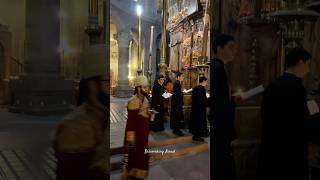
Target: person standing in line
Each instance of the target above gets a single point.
(198, 117)
(176, 114)
(222, 109)
(157, 101)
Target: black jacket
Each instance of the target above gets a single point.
(284, 143)
(157, 98)
(222, 108)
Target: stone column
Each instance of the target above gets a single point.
(123, 89)
(41, 90)
(6, 39)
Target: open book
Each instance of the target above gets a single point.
(252, 92)
(313, 107)
(187, 91)
(166, 95)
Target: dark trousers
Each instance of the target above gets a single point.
(158, 123)
(223, 163)
(176, 118)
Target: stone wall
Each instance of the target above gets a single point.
(16, 24)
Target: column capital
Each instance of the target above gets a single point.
(123, 38)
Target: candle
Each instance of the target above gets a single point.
(150, 48)
(151, 40)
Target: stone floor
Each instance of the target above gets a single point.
(191, 167)
(25, 143)
(195, 166)
(26, 153)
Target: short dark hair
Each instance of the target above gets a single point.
(160, 76)
(201, 79)
(84, 91)
(220, 41)
(179, 74)
(295, 55)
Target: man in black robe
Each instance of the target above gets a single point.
(284, 113)
(176, 114)
(198, 117)
(222, 109)
(157, 104)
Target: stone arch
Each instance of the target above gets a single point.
(116, 18)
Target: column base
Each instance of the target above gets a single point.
(123, 91)
(41, 95)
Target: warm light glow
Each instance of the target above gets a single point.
(139, 10)
(130, 77)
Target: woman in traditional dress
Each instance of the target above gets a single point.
(136, 161)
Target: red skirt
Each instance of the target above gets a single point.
(136, 162)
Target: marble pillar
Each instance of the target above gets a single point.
(123, 89)
(42, 90)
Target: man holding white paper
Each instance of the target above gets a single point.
(176, 115)
(157, 101)
(285, 114)
(198, 116)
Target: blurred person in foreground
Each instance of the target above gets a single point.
(81, 139)
(136, 159)
(285, 117)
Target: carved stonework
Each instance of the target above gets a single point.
(162, 69)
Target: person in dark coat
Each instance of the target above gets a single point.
(157, 104)
(198, 117)
(222, 109)
(284, 113)
(176, 115)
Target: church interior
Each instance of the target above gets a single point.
(43, 47)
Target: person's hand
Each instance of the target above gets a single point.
(234, 142)
(152, 115)
(237, 99)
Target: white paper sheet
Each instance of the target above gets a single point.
(252, 92)
(166, 95)
(187, 91)
(313, 107)
(153, 111)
